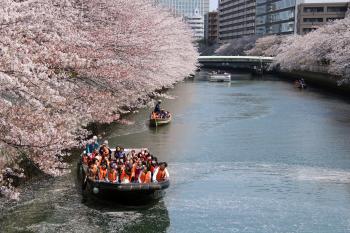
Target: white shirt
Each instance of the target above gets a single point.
(154, 178)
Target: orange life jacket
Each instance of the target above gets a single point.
(102, 174)
(124, 176)
(112, 176)
(152, 168)
(133, 170)
(145, 178)
(160, 175)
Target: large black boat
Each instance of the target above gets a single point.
(121, 192)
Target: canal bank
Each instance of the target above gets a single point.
(321, 80)
(252, 156)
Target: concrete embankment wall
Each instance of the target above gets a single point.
(320, 80)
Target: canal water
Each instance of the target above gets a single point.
(250, 156)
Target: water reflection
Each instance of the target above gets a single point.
(56, 205)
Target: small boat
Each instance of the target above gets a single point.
(134, 193)
(300, 83)
(215, 77)
(154, 121)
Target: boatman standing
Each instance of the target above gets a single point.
(92, 145)
(157, 108)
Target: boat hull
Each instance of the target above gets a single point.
(158, 122)
(132, 193)
(220, 78)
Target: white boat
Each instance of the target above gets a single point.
(225, 77)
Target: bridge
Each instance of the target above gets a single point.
(240, 62)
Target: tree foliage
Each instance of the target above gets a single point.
(237, 46)
(326, 49)
(65, 63)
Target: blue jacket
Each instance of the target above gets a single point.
(91, 147)
(157, 108)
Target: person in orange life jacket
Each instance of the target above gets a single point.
(161, 173)
(93, 169)
(102, 172)
(133, 166)
(145, 176)
(125, 176)
(138, 169)
(112, 175)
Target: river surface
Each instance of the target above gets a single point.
(252, 156)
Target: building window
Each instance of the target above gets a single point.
(336, 9)
(307, 30)
(274, 6)
(313, 9)
(332, 19)
(313, 20)
(275, 17)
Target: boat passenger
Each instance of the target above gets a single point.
(93, 169)
(119, 152)
(102, 172)
(98, 159)
(138, 169)
(161, 173)
(125, 176)
(106, 153)
(94, 153)
(92, 145)
(85, 159)
(105, 145)
(145, 177)
(112, 175)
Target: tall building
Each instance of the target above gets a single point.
(236, 19)
(196, 22)
(314, 13)
(211, 27)
(275, 17)
(186, 7)
(193, 12)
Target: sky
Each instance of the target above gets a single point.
(213, 4)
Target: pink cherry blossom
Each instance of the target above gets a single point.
(66, 63)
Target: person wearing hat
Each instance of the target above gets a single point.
(157, 108)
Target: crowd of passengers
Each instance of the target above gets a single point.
(121, 167)
(158, 112)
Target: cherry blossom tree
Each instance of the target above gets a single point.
(266, 46)
(66, 63)
(237, 46)
(326, 49)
